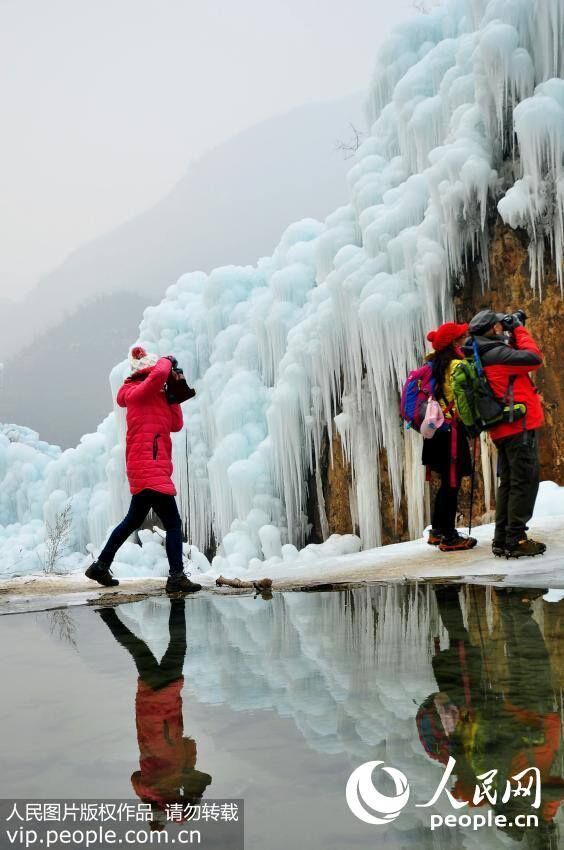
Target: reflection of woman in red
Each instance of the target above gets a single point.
(167, 759)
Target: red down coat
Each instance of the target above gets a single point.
(167, 758)
(150, 419)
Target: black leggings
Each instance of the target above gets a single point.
(436, 456)
(150, 671)
(166, 509)
(445, 507)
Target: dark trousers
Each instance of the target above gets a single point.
(437, 458)
(530, 675)
(518, 471)
(167, 511)
(444, 510)
(156, 675)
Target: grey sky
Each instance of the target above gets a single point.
(104, 102)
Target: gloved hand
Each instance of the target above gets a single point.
(172, 359)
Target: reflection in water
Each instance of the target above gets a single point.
(486, 722)
(63, 626)
(405, 674)
(167, 759)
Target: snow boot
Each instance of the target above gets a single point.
(434, 538)
(525, 548)
(181, 584)
(102, 574)
(457, 543)
(498, 548)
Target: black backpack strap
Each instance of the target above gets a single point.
(509, 398)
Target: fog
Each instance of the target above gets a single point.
(105, 104)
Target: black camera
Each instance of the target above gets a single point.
(176, 388)
(176, 373)
(514, 320)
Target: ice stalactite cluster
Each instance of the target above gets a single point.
(340, 676)
(536, 200)
(464, 111)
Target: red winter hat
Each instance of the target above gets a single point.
(446, 334)
(139, 359)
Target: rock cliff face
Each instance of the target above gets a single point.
(509, 290)
(337, 482)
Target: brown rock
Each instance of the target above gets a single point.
(510, 289)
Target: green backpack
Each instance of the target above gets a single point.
(474, 400)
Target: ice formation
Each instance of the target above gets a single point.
(465, 111)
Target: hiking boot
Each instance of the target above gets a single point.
(457, 543)
(102, 574)
(525, 548)
(181, 584)
(434, 538)
(498, 548)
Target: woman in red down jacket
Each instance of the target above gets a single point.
(167, 758)
(148, 453)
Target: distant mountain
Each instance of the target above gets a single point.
(59, 385)
(59, 344)
(231, 207)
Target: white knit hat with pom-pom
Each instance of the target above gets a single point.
(139, 359)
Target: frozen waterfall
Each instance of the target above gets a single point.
(465, 110)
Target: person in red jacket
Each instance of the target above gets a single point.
(507, 365)
(148, 454)
(167, 758)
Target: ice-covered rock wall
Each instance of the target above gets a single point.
(465, 110)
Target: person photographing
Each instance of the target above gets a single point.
(152, 415)
(508, 355)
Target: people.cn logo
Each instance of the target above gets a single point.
(370, 805)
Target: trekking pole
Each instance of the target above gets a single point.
(472, 484)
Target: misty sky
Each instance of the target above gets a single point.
(105, 102)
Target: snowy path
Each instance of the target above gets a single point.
(414, 561)
(418, 561)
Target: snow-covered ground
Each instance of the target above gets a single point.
(339, 554)
(401, 562)
(318, 337)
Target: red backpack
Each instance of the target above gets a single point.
(418, 388)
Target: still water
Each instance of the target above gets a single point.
(278, 701)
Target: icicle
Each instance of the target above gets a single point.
(547, 25)
(487, 448)
(415, 484)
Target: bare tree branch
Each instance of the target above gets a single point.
(424, 6)
(350, 147)
(56, 540)
(62, 625)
